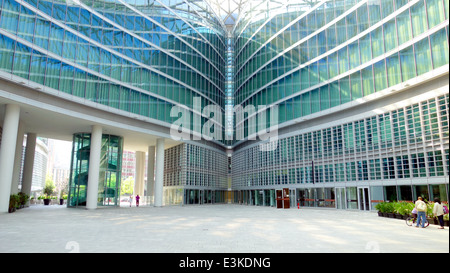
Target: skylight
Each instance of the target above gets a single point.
(227, 10)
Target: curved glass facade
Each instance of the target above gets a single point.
(142, 57)
(308, 57)
(357, 87)
(320, 62)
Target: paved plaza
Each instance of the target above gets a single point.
(211, 229)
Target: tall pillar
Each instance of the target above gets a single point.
(151, 171)
(18, 159)
(94, 167)
(139, 174)
(7, 153)
(27, 177)
(159, 173)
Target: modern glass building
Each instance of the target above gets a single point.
(339, 103)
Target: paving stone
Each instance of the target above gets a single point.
(211, 229)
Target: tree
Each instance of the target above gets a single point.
(127, 186)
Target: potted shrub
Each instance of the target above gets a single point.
(13, 203)
(398, 210)
(409, 206)
(390, 210)
(380, 207)
(48, 191)
(61, 200)
(430, 216)
(403, 209)
(62, 197)
(23, 199)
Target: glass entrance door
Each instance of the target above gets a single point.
(363, 198)
(340, 198)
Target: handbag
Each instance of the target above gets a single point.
(414, 211)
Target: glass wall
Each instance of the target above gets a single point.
(329, 55)
(110, 170)
(140, 57)
(79, 170)
(198, 172)
(398, 146)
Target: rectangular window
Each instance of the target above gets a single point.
(335, 98)
(10, 16)
(345, 90)
(315, 101)
(333, 65)
(379, 70)
(22, 57)
(404, 27)
(374, 11)
(377, 42)
(390, 35)
(365, 48)
(66, 78)
(367, 80)
(324, 98)
(343, 60)
(306, 104)
(387, 7)
(393, 70)
(52, 73)
(356, 87)
(363, 18)
(419, 18)
(435, 11)
(353, 51)
(439, 48)
(407, 62)
(25, 29)
(423, 56)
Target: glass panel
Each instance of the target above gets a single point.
(22, 58)
(423, 56)
(379, 70)
(439, 47)
(356, 86)
(377, 42)
(352, 198)
(390, 35)
(419, 18)
(393, 70)
(407, 63)
(404, 27)
(435, 11)
(367, 79)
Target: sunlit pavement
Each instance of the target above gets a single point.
(212, 229)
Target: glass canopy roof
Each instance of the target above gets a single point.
(227, 10)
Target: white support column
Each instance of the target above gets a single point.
(94, 167)
(18, 159)
(28, 165)
(7, 153)
(139, 174)
(159, 174)
(151, 171)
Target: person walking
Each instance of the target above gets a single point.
(438, 211)
(137, 200)
(131, 200)
(421, 208)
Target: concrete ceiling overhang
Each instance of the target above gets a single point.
(53, 117)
